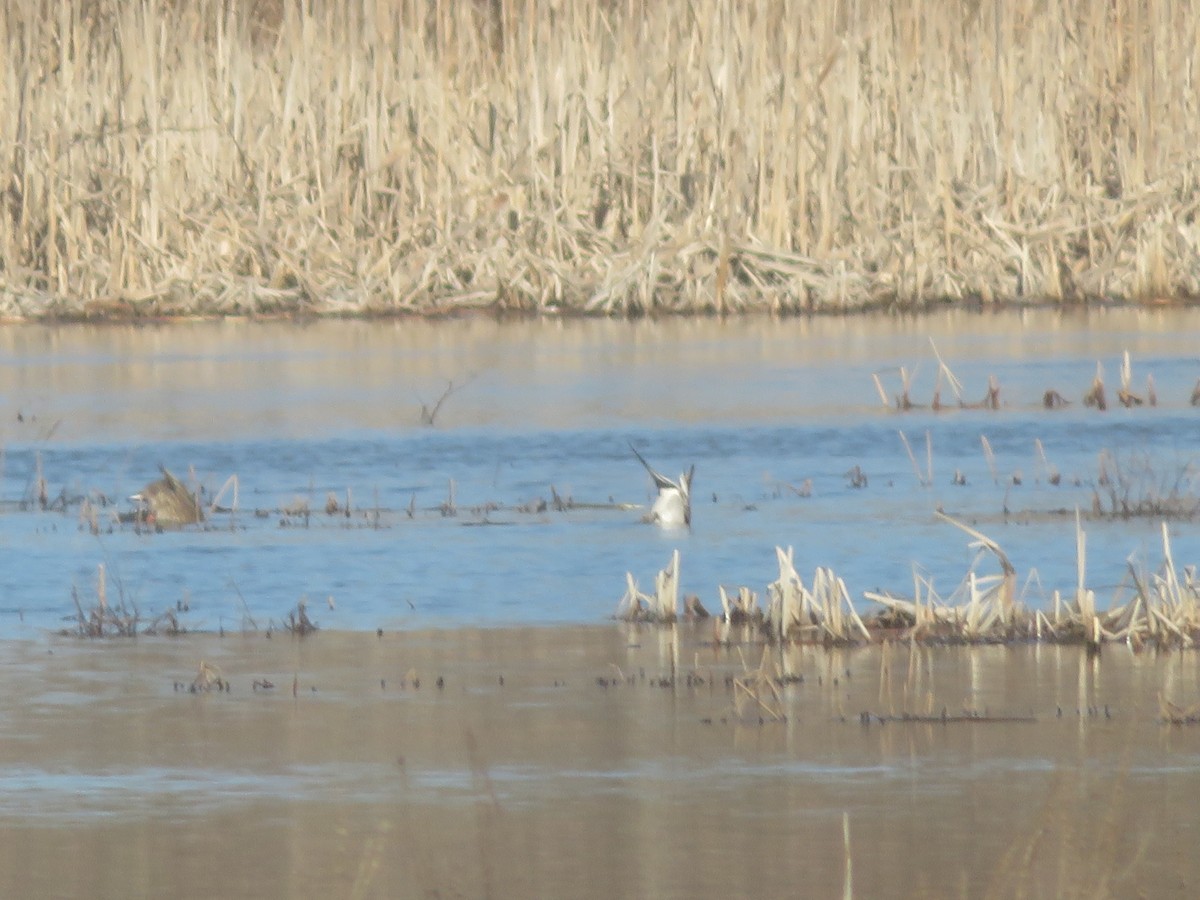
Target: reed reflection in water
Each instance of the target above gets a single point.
(553, 762)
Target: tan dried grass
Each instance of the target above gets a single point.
(201, 157)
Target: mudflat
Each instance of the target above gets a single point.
(594, 761)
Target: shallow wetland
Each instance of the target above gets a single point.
(555, 762)
(564, 753)
(297, 605)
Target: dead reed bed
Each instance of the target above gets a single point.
(214, 158)
(662, 606)
(1152, 610)
(1095, 396)
(102, 618)
(1135, 484)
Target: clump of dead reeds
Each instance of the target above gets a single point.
(740, 609)
(1126, 395)
(662, 606)
(609, 158)
(1136, 485)
(1164, 611)
(1095, 395)
(101, 618)
(983, 608)
(820, 614)
(904, 400)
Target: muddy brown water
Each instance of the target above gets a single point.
(552, 763)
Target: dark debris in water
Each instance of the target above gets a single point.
(298, 621)
(945, 717)
(208, 679)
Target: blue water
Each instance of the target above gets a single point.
(758, 408)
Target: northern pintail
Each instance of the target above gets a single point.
(673, 506)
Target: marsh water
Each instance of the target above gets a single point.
(298, 413)
(345, 779)
(550, 763)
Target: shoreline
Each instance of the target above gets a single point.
(500, 315)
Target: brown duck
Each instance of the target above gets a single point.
(167, 503)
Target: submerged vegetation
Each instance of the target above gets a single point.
(204, 157)
(101, 618)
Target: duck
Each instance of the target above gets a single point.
(673, 506)
(167, 503)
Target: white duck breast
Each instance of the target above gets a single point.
(673, 506)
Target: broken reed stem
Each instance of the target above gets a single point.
(945, 372)
(231, 485)
(912, 458)
(990, 457)
(663, 605)
(928, 456)
(848, 872)
(405, 169)
(883, 397)
(1095, 395)
(1049, 471)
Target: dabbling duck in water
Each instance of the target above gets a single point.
(673, 506)
(167, 503)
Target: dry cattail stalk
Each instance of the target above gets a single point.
(991, 399)
(1125, 395)
(1095, 395)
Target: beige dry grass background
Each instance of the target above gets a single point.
(388, 156)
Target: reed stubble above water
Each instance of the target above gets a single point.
(206, 158)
